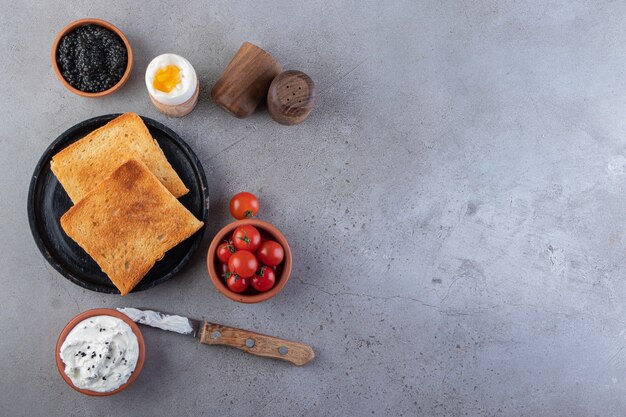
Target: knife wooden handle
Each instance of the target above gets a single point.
(256, 343)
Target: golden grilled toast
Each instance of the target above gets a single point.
(128, 222)
(85, 163)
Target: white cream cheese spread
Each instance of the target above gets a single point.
(178, 324)
(100, 353)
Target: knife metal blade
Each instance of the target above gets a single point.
(163, 321)
(216, 334)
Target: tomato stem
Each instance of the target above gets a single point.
(245, 237)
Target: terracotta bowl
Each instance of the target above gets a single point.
(283, 271)
(99, 22)
(100, 312)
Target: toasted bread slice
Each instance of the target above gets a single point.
(85, 163)
(128, 222)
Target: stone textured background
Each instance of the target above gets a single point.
(455, 204)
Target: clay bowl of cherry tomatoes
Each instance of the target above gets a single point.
(249, 260)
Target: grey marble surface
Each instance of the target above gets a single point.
(455, 204)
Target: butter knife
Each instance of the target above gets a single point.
(216, 334)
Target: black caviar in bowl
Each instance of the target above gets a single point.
(92, 58)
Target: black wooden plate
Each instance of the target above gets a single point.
(48, 201)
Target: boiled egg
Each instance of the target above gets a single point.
(171, 79)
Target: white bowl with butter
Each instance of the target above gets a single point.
(100, 352)
(172, 84)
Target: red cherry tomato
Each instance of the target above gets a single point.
(244, 205)
(236, 283)
(264, 279)
(224, 251)
(270, 253)
(246, 238)
(243, 263)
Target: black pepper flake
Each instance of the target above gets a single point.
(104, 377)
(106, 343)
(108, 357)
(83, 354)
(99, 355)
(88, 347)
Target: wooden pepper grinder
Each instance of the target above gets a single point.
(245, 81)
(291, 97)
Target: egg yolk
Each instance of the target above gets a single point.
(166, 78)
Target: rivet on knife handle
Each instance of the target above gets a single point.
(256, 343)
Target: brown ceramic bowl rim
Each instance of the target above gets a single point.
(87, 21)
(100, 312)
(246, 298)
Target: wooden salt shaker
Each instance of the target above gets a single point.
(245, 81)
(291, 97)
